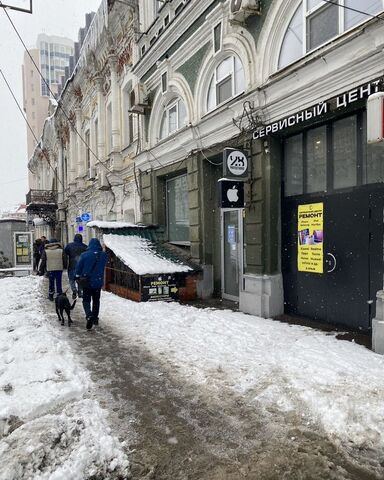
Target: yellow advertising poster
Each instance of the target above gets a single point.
(310, 238)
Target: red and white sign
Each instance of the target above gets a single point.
(375, 118)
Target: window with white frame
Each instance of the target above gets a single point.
(315, 22)
(227, 81)
(174, 118)
(178, 210)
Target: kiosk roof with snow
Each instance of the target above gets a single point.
(143, 268)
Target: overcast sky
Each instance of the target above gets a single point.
(53, 17)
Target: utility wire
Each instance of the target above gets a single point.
(18, 106)
(353, 9)
(14, 181)
(43, 151)
(53, 95)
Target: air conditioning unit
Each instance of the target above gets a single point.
(92, 173)
(103, 183)
(139, 99)
(240, 10)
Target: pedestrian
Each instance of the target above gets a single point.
(53, 260)
(90, 273)
(36, 254)
(73, 251)
(43, 242)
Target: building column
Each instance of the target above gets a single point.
(60, 172)
(72, 156)
(80, 145)
(100, 119)
(116, 137)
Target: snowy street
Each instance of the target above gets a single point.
(164, 391)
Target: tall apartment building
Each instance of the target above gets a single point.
(52, 56)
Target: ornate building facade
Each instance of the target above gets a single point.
(162, 87)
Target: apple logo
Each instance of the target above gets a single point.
(232, 194)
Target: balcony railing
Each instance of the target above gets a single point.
(46, 198)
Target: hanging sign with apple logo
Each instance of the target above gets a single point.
(235, 164)
(231, 194)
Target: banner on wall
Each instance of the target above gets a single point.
(310, 252)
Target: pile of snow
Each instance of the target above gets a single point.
(338, 384)
(140, 256)
(48, 429)
(113, 225)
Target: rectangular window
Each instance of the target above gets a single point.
(217, 37)
(373, 171)
(178, 210)
(322, 26)
(344, 152)
(142, 50)
(316, 156)
(164, 82)
(178, 9)
(172, 119)
(224, 90)
(130, 128)
(293, 165)
(166, 20)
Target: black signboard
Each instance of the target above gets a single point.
(235, 164)
(231, 194)
(159, 287)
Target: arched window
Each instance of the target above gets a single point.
(174, 118)
(227, 81)
(315, 22)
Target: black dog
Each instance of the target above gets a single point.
(62, 304)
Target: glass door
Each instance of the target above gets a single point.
(231, 252)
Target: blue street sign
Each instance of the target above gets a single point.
(80, 228)
(85, 217)
(78, 220)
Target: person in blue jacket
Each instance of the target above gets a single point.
(92, 264)
(73, 251)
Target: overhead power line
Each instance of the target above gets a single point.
(104, 164)
(332, 2)
(33, 133)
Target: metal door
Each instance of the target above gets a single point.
(231, 252)
(353, 259)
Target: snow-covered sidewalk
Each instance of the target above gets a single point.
(337, 384)
(50, 428)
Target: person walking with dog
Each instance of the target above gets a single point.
(73, 251)
(53, 260)
(90, 275)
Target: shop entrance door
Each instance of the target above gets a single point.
(231, 252)
(345, 292)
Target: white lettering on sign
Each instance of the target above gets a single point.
(237, 162)
(291, 121)
(342, 101)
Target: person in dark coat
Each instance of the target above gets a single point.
(73, 251)
(36, 254)
(92, 264)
